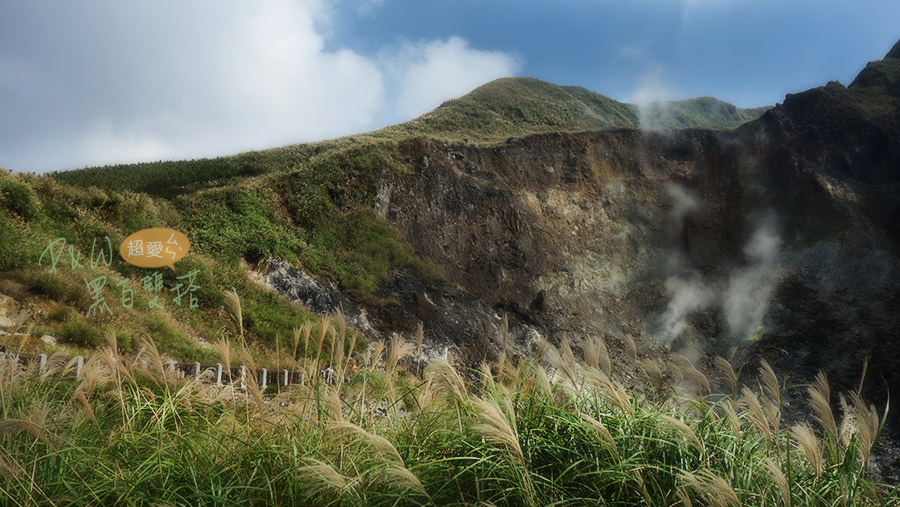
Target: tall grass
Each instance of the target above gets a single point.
(567, 432)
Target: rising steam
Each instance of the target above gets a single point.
(743, 294)
(652, 101)
(687, 294)
(686, 290)
(749, 291)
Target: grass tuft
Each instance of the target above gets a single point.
(125, 433)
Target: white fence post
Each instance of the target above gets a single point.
(218, 374)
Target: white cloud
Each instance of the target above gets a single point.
(125, 82)
(263, 79)
(106, 145)
(290, 87)
(368, 7)
(435, 71)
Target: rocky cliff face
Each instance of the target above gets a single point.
(779, 238)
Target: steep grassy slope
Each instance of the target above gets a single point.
(308, 205)
(55, 298)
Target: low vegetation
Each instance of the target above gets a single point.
(551, 431)
(309, 206)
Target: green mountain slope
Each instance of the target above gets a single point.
(507, 107)
(519, 106)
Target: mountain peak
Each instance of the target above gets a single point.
(894, 52)
(518, 106)
(881, 77)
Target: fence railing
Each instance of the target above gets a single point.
(214, 372)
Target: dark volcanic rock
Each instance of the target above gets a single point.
(785, 228)
(454, 321)
(301, 288)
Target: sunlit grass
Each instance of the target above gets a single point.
(536, 434)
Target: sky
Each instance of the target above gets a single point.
(98, 82)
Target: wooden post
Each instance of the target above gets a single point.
(197, 370)
(43, 362)
(79, 365)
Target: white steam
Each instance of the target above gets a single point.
(652, 98)
(749, 291)
(687, 294)
(684, 202)
(743, 294)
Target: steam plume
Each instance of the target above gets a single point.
(743, 294)
(749, 290)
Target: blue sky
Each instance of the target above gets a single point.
(98, 82)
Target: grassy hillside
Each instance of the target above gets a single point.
(519, 106)
(548, 430)
(310, 206)
(703, 112)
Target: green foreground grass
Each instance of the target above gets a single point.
(554, 431)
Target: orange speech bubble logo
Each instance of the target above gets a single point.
(153, 248)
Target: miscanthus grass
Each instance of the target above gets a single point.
(563, 431)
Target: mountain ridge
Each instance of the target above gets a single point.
(491, 113)
(517, 106)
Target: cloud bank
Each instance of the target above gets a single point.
(181, 80)
(433, 71)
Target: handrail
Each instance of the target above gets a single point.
(196, 370)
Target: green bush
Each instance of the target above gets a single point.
(133, 212)
(19, 198)
(11, 245)
(79, 332)
(50, 285)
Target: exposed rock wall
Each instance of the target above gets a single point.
(694, 239)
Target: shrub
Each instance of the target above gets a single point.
(79, 332)
(19, 198)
